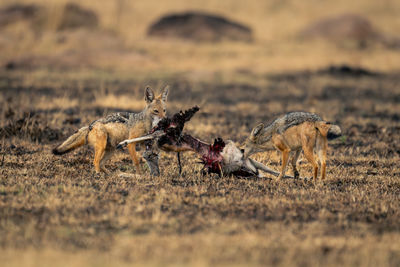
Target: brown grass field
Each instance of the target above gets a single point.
(55, 211)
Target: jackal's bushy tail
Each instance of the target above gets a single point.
(331, 131)
(76, 140)
(334, 132)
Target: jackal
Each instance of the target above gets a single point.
(292, 133)
(104, 134)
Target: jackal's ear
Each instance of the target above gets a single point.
(148, 94)
(257, 130)
(164, 94)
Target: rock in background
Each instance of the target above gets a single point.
(348, 28)
(200, 27)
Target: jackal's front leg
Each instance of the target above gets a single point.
(136, 131)
(309, 154)
(134, 156)
(322, 147)
(295, 157)
(285, 159)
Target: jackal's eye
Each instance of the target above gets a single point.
(164, 110)
(155, 111)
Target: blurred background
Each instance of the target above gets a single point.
(272, 36)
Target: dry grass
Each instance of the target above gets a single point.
(56, 211)
(52, 204)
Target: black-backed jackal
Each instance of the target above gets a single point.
(292, 133)
(104, 134)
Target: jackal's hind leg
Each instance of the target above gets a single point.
(99, 149)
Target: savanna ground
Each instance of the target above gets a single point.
(54, 211)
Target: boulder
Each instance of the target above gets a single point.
(18, 12)
(72, 16)
(199, 27)
(343, 28)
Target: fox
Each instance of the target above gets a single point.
(105, 133)
(292, 133)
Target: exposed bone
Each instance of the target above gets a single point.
(264, 168)
(139, 139)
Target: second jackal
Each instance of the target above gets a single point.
(104, 134)
(292, 133)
